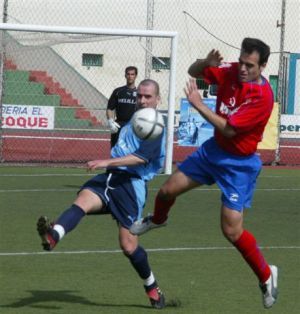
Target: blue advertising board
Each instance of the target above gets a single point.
(193, 129)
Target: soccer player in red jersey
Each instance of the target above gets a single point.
(244, 105)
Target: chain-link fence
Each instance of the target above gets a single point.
(74, 77)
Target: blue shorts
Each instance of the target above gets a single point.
(235, 175)
(123, 195)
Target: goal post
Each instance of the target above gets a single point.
(39, 38)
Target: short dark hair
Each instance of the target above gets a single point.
(253, 44)
(151, 82)
(131, 68)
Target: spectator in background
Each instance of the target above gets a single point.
(122, 104)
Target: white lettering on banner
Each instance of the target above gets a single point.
(290, 126)
(27, 117)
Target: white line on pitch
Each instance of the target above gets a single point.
(53, 175)
(150, 189)
(38, 190)
(93, 174)
(48, 175)
(213, 248)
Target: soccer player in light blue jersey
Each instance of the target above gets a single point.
(120, 191)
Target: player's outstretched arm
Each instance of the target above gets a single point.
(217, 121)
(129, 160)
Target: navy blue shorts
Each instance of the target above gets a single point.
(235, 175)
(123, 195)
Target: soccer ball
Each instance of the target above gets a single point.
(147, 123)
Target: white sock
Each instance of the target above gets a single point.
(60, 230)
(150, 280)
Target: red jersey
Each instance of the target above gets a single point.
(246, 106)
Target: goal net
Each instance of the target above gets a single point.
(56, 81)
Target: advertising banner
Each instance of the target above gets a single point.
(290, 126)
(193, 130)
(27, 117)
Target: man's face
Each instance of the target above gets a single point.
(249, 68)
(130, 77)
(147, 97)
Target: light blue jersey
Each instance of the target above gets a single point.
(123, 190)
(152, 151)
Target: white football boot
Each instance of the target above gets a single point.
(144, 225)
(269, 288)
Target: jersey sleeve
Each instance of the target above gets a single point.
(113, 100)
(216, 75)
(150, 149)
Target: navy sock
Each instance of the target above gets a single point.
(70, 218)
(139, 261)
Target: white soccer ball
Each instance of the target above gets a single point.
(147, 123)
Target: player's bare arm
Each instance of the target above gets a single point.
(129, 160)
(195, 99)
(213, 59)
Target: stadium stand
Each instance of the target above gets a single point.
(38, 88)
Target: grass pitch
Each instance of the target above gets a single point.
(197, 269)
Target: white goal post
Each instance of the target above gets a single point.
(173, 36)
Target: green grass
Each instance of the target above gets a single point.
(210, 277)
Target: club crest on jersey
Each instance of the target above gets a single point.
(231, 102)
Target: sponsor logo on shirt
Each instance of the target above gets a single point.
(127, 101)
(224, 109)
(229, 109)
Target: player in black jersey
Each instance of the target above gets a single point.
(122, 104)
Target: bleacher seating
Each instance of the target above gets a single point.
(38, 89)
